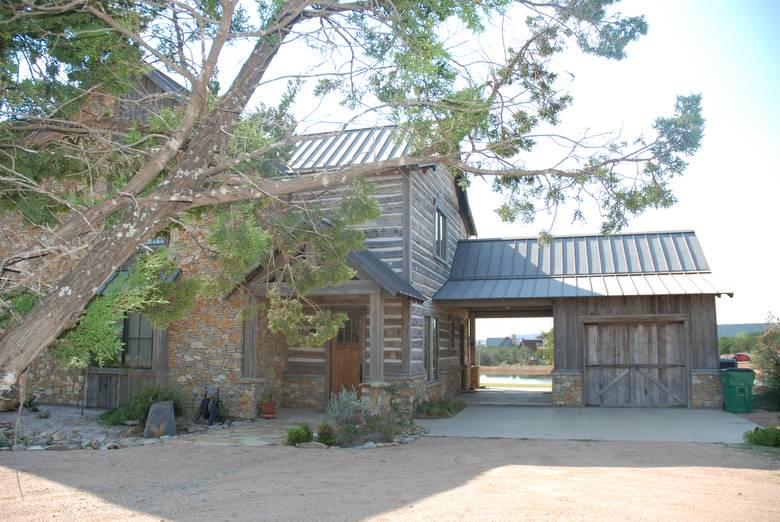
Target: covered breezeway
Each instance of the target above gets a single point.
(634, 315)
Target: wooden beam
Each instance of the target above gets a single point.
(376, 338)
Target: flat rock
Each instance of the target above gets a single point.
(161, 420)
(312, 444)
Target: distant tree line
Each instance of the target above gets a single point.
(517, 355)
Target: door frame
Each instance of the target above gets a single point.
(360, 312)
(637, 319)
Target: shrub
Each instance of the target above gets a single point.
(348, 414)
(764, 437)
(138, 408)
(326, 434)
(297, 434)
(438, 409)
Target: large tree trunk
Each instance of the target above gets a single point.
(60, 309)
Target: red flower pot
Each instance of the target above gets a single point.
(267, 410)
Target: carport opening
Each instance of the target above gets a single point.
(515, 357)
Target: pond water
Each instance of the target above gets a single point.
(516, 381)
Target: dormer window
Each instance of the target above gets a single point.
(440, 241)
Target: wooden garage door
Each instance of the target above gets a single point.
(635, 364)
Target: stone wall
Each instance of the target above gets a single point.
(706, 389)
(566, 388)
(52, 384)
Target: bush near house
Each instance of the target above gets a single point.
(438, 409)
(138, 408)
(354, 423)
(764, 437)
(326, 434)
(766, 357)
(298, 434)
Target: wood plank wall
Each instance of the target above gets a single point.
(384, 235)
(428, 188)
(700, 309)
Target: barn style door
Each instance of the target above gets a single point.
(635, 364)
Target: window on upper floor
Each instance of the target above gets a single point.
(440, 240)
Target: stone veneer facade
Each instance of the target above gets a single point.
(566, 388)
(706, 389)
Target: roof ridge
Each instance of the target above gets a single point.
(336, 132)
(566, 236)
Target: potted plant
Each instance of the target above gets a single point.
(267, 406)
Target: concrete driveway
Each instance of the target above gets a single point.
(613, 424)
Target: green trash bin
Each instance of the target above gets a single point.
(737, 389)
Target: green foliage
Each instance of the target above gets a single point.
(354, 423)
(144, 287)
(766, 357)
(764, 437)
(298, 434)
(438, 409)
(139, 405)
(742, 342)
(326, 434)
(16, 305)
(239, 242)
(504, 355)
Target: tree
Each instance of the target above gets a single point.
(216, 156)
(547, 351)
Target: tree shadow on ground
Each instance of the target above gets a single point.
(186, 480)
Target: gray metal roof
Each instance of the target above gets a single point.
(658, 263)
(349, 147)
(375, 269)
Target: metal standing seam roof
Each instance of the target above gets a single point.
(349, 147)
(374, 268)
(657, 263)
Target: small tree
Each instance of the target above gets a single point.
(767, 359)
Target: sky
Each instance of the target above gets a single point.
(726, 50)
(730, 194)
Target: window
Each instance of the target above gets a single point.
(349, 333)
(435, 352)
(431, 347)
(137, 335)
(427, 345)
(440, 242)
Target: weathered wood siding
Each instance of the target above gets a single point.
(426, 190)
(384, 235)
(697, 310)
(145, 99)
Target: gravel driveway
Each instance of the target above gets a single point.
(431, 479)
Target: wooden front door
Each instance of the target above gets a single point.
(346, 356)
(640, 364)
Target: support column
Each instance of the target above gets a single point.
(473, 361)
(376, 368)
(373, 391)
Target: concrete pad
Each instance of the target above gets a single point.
(613, 424)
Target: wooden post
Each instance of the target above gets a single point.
(376, 339)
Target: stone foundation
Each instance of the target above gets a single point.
(706, 389)
(566, 388)
(303, 391)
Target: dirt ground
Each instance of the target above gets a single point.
(431, 479)
(763, 417)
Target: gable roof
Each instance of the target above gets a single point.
(656, 263)
(333, 150)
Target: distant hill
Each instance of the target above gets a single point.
(730, 330)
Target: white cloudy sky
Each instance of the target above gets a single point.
(727, 50)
